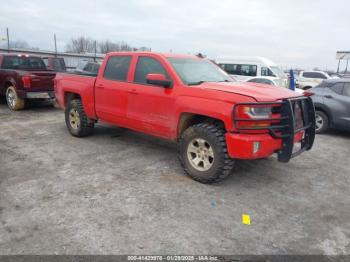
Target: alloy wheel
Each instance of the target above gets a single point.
(200, 154)
(11, 98)
(74, 118)
(319, 122)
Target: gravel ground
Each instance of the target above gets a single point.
(120, 192)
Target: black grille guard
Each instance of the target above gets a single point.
(286, 129)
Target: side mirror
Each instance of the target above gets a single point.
(158, 80)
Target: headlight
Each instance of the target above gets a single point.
(258, 112)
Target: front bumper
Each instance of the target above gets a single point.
(241, 146)
(281, 138)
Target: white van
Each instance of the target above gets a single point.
(243, 68)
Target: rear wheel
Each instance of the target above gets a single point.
(77, 122)
(322, 122)
(203, 153)
(12, 99)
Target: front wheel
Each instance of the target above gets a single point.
(13, 101)
(203, 153)
(77, 122)
(322, 122)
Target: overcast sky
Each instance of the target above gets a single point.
(303, 33)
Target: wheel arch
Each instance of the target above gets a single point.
(69, 96)
(8, 82)
(188, 119)
(325, 110)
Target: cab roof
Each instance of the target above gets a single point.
(167, 55)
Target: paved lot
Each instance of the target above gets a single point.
(121, 192)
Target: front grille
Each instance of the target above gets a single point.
(295, 115)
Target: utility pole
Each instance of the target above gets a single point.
(95, 47)
(8, 39)
(54, 37)
(346, 68)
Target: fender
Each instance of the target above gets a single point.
(7, 80)
(205, 107)
(324, 108)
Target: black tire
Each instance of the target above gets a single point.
(85, 126)
(222, 164)
(322, 125)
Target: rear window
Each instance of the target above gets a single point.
(314, 75)
(117, 68)
(59, 64)
(243, 70)
(23, 63)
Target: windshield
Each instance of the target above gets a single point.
(196, 71)
(278, 71)
(23, 63)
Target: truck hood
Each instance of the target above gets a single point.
(259, 92)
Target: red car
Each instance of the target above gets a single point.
(191, 101)
(24, 77)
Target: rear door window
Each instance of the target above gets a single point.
(241, 70)
(346, 90)
(231, 69)
(338, 88)
(248, 70)
(117, 68)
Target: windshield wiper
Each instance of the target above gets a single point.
(196, 83)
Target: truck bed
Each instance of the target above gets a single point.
(76, 84)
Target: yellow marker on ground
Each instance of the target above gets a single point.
(245, 219)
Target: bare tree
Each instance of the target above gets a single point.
(87, 45)
(81, 45)
(144, 49)
(125, 47)
(19, 44)
(108, 46)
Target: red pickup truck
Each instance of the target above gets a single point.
(192, 101)
(24, 77)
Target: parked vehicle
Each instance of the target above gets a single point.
(332, 104)
(310, 79)
(24, 77)
(246, 67)
(262, 80)
(192, 101)
(55, 63)
(88, 68)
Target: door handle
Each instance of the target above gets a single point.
(101, 86)
(328, 96)
(133, 91)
